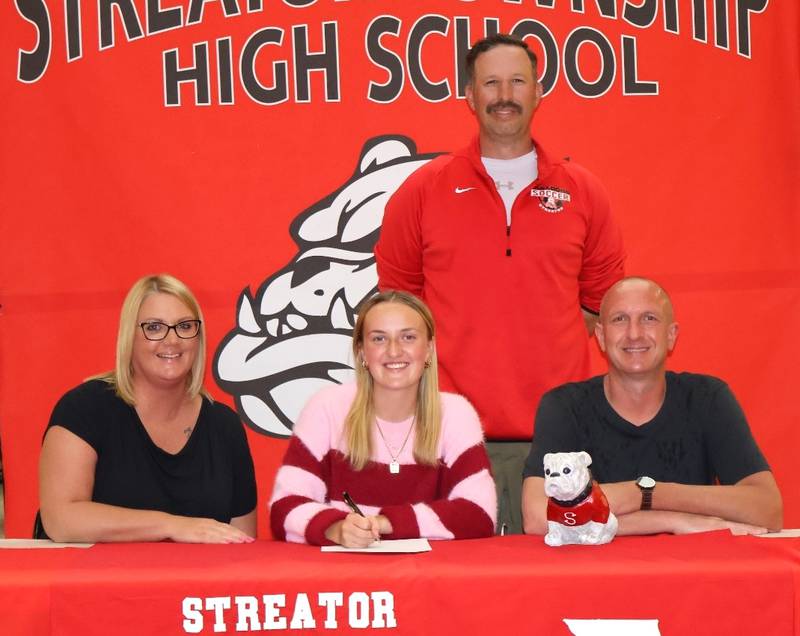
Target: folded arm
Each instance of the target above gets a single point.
(300, 509)
(752, 505)
(753, 500)
(66, 480)
(465, 504)
(466, 509)
(658, 521)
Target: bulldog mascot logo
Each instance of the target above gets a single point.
(577, 509)
(293, 336)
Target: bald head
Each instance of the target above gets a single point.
(636, 329)
(636, 285)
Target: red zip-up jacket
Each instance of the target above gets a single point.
(507, 299)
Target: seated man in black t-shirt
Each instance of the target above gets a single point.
(672, 451)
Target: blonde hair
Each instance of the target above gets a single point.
(428, 417)
(121, 378)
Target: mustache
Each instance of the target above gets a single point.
(503, 105)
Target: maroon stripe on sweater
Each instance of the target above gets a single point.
(374, 485)
(463, 518)
(471, 461)
(403, 520)
(315, 530)
(297, 454)
(278, 512)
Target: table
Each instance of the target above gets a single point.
(705, 584)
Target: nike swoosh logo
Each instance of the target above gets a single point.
(463, 190)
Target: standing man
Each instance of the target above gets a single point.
(659, 441)
(513, 250)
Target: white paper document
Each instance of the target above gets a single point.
(386, 546)
(788, 533)
(39, 543)
(613, 627)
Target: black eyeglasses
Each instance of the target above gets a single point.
(155, 330)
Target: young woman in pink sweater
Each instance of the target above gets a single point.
(412, 458)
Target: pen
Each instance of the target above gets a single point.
(352, 504)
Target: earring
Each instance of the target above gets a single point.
(363, 363)
(427, 364)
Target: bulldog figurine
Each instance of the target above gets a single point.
(577, 509)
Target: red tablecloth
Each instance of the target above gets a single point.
(701, 584)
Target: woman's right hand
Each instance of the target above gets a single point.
(355, 531)
(200, 530)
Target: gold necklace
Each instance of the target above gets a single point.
(394, 465)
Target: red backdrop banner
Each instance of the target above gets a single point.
(248, 147)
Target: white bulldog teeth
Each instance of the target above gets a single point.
(247, 316)
(340, 317)
(272, 327)
(296, 321)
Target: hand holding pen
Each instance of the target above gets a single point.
(352, 504)
(358, 527)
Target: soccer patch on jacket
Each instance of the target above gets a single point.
(551, 199)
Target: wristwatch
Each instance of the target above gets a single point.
(646, 485)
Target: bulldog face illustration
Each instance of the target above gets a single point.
(293, 336)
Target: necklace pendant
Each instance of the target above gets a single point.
(394, 467)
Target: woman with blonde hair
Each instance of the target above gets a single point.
(411, 457)
(142, 453)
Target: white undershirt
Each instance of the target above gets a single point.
(511, 175)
